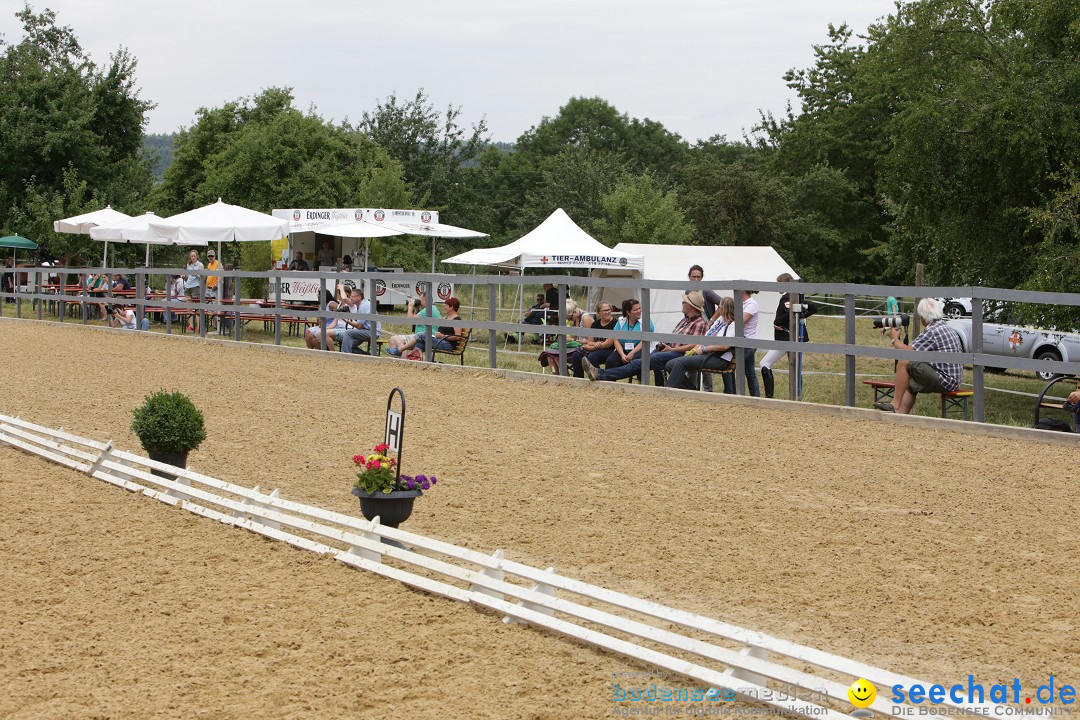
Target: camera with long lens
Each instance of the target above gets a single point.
(892, 321)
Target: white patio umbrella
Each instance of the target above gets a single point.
(360, 229)
(134, 229)
(219, 222)
(432, 230)
(82, 224)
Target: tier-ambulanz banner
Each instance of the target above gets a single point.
(582, 261)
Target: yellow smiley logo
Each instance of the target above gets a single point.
(862, 693)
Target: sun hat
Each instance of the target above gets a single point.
(695, 298)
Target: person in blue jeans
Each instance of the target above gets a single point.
(595, 348)
(358, 331)
(625, 360)
(692, 323)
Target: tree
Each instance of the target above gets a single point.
(577, 179)
(639, 211)
(952, 118)
(430, 146)
(642, 145)
(264, 153)
(70, 134)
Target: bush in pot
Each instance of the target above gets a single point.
(169, 426)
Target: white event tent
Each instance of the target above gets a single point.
(720, 262)
(556, 242)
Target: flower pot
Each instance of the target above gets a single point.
(392, 508)
(177, 459)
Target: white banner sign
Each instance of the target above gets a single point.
(309, 219)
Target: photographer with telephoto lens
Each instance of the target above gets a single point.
(914, 377)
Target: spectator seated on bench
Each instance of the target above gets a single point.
(313, 336)
(357, 332)
(549, 356)
(398, 345)
(710, 355)
(443, 338)
(625, 360)
(915, 377)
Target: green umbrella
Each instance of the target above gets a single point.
(18, 242)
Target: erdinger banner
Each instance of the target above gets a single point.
(617, 261)
(311, 219)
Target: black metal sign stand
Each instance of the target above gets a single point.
(395, 427)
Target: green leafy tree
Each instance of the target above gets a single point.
(577, 179)
(431, 146)
(70, 135)
(263, 153)
(641, 145)
(639, 211)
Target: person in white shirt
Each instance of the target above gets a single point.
(357, 331)
(750, 318)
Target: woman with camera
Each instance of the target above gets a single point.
(397, 343)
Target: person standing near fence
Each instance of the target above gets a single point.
(749, 355)
(782, 333)
(712, 308)
(191, 287)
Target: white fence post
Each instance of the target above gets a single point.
(102, 457)
(365, 553)
(543, 589)
(746, 675)
(495, 573)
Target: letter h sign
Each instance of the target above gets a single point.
(395, 425)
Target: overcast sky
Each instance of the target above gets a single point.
(700, 67)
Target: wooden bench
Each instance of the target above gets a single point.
(954, 400)
(729, 370)
(458, 350)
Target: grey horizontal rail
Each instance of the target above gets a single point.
(316, 314)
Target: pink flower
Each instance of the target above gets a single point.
(381, 447)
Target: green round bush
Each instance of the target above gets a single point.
(168, 423)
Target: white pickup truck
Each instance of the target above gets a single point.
(1022, 342)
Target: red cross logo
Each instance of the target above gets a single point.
(544, 259)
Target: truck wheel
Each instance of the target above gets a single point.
(1048, 354)
(954, 311)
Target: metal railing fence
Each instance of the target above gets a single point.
(235, 311)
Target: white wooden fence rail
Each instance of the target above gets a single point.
(540, 597)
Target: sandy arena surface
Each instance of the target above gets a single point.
(928, 552)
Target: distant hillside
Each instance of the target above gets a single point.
(160, 148)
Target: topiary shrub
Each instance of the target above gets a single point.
(168, 423)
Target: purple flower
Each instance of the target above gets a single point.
(425, 485)
(408, 482)
(421, 478)
(434, 479)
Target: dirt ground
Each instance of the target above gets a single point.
(928, 552)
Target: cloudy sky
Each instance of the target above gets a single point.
(700, 67)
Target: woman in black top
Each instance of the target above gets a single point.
(781, 332)
(594, 348)
(445, 336)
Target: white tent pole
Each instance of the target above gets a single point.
(367, 252)
(147, 254)
(105, 256)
